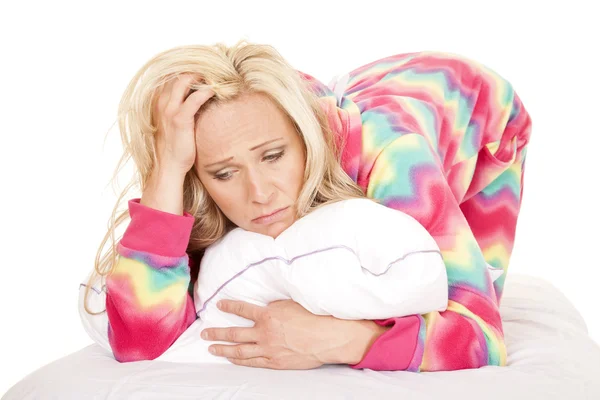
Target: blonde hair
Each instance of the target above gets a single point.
(231, 72)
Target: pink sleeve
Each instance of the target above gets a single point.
(398, 349)
(147, 303)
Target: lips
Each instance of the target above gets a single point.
(267, 217)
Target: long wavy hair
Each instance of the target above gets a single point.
(231, 71)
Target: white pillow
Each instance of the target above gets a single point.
(353, 259)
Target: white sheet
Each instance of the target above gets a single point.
(550, 356)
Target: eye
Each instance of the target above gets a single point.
(223, 177)
(274, 157)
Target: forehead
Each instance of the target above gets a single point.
(248, 119)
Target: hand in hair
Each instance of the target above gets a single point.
(174, 117)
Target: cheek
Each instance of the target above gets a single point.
(296, 175)
(222, 195)
(299, 177)
(229, 202)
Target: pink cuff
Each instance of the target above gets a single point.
(157, 232)
(394, 350)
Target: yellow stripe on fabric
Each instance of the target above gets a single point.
(137, 274)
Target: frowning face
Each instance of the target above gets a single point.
(251, 161)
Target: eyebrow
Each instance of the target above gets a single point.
(252, 149)
(265, 143)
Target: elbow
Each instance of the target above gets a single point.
(468, 344)
(144, 338)
(141, 345)
(137, 334)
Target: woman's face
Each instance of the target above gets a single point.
(251, 161)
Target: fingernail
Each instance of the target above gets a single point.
(212, 350)
(219, 304)
(204, 334)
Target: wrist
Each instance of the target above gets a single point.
(166, 175)
(365, 335)
(354, 338)
(164, 191)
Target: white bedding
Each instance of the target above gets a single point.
(550, 356)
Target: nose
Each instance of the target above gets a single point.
(260, 190)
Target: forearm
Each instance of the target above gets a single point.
(145, 317)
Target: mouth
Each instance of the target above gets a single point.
(270, 217)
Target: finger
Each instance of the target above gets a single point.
(180, 89)
(240, 351)
(258, 362)
(195, 101)
(164, 95)
(241, 308)
(176, 89)
(233, 335)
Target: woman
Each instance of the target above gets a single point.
(258, 145)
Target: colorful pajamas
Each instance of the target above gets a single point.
(435, 135)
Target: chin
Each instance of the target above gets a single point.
(276, 229)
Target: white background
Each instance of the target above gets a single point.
(64, 66)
